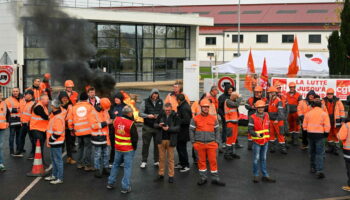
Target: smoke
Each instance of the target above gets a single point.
(69, 46)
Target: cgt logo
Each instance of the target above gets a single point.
(81, 111)
(343, 87)
(317, 60)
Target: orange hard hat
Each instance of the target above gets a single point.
(205, 102)
(47, 75)
(292, 84)
(272, 89)
(105, 103)
(68, 83)
(260, 104)
(258, 89)
(330, 91)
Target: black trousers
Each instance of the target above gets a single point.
(304, 138)
(347, 163)
(112, 140)
(181, 148)
(41, 136)
(69, 142)
(224, 129)
(23, 133)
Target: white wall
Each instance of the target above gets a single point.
(249, 41)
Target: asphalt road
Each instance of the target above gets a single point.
(291, 171)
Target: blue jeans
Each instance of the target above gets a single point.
(14, 133)
(2, 134)
(101, 154)
(119, 157)
(316, 148)
(259, 159)
(57, 162)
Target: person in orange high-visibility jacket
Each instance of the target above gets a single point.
(45, 85)
(36, 89)
(317, 125)
(99, 120)
(13, 105)
(26, 106)
(212, 96)
(335, 109)
(55, 139)
(231, 117)
(73, 95)
(285, 108)
(258, 127)
(40, 120)
(250, 106)
(304, 107)
(4, 118)
(126, 138)
(276, 114)
(78, 122)
(196, 108)
(205, 137)
(344, 136)
(171, 97)
(293, 98)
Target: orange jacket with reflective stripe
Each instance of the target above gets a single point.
(122, 127)
(214, 100)
(26, 111)
(231, 114)
(335, 110)
(38, 123)
(171, 98)
(55, 133)
(303, 107)
(293, 101)
(261, 126)
(196, 110)
(13, 103)
(344, 135)
(79, 118)
(37, 93)
(3, 113)
(316, 121)
(204, 129)
(99, 134)
(276, 111)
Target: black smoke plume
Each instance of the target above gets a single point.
(69, 46)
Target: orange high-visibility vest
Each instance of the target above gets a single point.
(37, 93)
(99, 134)
(303, 108)
(79, 118)
(317, 121)
(336, 110)
(38, 123)
(12, 103)
(214, 100)
(56, 127)
(73, 97)
(171, 98)
(231, 114)
(344, 135)
(196, 109)
(26, 111)
(122, 128)
(261, 126)
(3, 112)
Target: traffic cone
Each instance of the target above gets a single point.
(38, 167)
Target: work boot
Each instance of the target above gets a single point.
(233, 154)
(335, 150)
(70, 161)
(272, 147)
(256, 179)
(346, 188)
(159, 178)
(228, 153)
(268, 179)
(304, 147)
(330, 147)
(202, 182)
(283, 148)
(250, 145)
(106, 171)
(320, 175)
(237, 145)
(98, 174)
(218, 183)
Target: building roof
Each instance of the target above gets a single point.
(292, 16)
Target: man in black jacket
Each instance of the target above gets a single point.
(221, 111)
(168, 125)
(150, 108)
(185, 115)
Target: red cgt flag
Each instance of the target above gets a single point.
(294, 58)
(264, 76)
(250, 81)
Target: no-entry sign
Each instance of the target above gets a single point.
(223, 81)
(5, 77)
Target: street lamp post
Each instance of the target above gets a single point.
(239, 29)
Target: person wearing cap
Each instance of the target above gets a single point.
(293, 99)
(250, 106)
(45, 85)
(99, 120)
(232, 117)
(150, 109)
(205, 138)
(304, 107)
(276, 114)
(55, 140)
(317, 125)
(336, 111)
(67, 106)
(26, 105)
(73, 95)
(258, 127)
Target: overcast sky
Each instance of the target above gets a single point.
(83, 3)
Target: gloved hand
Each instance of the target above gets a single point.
(326, 134)
(14, 110)
(103, 124)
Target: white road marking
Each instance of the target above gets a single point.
(34, 182)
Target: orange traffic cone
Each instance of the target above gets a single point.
(38, 167)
